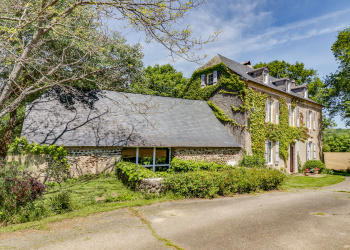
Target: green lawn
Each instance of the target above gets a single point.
(311, 182)
(84, 194)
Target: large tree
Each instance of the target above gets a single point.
(337, 85)
(162, 80)
(47, 44)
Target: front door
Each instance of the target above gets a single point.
(291, 164)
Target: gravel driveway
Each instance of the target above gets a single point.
(299, 219)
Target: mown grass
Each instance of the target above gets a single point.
(84, 193)
(311, 182)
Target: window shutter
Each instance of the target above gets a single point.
(277, 152)
(314, 150)
(307, 151)
(307, 119)
(314, 120)
(277, 112)
(215, 77)
(266, 150)
(267, 110)
(202, 81)
(290, 114)
(298, 117)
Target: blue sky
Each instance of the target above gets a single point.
(263, 30)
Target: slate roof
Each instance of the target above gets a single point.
(243, 70)
(125, 119)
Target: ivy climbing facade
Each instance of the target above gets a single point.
(272, 118)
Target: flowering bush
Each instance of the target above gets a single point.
(313, 164)
(18, 191)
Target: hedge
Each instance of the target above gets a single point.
(182, 166)
(210, 184)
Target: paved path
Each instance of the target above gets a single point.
(304, 219)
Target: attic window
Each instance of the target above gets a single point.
(265, 77)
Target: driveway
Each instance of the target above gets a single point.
(298, 219)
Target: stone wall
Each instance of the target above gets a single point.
(151, 185)
(92, 160)
(240, 134)
(229, 156)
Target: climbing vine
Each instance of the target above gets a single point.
(21, 146)
(253, 104)
(221, 114)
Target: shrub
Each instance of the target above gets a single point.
(61, 202)
(312, 164)
(131, 173)
(18, 192)
(181, 166)
(209, 184)
(252, 161)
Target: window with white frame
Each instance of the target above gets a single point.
(308, 150)
(210, 79)
(310, 119)
(292, 111)
(269, 110)
(269, 152)
(155, 158)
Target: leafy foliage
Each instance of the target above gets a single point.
(131, 173)
(180, 166)
(221, 114)
(209, 184)
(252, 161)
(161, 81)
(337, 85)
(18, 192)
(312, 164)
(336, 140)
(61, 202)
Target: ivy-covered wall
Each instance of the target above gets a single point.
(246, 115)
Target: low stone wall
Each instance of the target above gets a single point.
(151, 185)
(229, 156)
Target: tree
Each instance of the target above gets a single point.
(162, 81)
(297, 72)
(67, 44)
(337, 85)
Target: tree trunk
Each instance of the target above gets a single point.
(6, 139)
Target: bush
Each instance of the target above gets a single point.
(18, 192)
(181, 166)
(61, 202)
(131, 173)
(252, 161)
(312, 164)
(209, 184)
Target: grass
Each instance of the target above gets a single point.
(311, 182)
(84, 193)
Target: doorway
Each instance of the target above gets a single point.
(291, 158)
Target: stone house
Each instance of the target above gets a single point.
(150, 130)
(305, 112)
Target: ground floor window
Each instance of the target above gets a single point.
(268, 151)
(156, 158)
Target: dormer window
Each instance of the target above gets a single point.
(209, 79)
(288, 87)
(265, 77)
